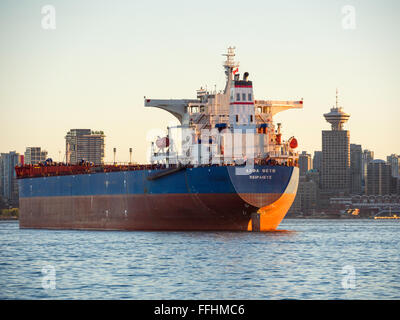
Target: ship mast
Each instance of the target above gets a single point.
(229, 65)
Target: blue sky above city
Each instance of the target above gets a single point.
(94, 69)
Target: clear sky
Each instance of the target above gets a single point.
(93, 70)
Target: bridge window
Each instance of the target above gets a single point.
(193, 109)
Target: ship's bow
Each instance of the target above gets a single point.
(272, 189)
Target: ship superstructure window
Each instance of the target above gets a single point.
(244, 97)
(237, 118)
(251, 118)
(194, 109)
(249, 97)
(238, 97)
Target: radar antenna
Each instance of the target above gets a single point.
(229, 65)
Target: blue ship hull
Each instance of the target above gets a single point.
(203, 198)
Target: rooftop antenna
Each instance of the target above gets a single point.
(130, 155)
(337, 92)
(115, 151)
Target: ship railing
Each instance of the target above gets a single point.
(61, 169)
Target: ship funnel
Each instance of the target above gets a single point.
(245, 76)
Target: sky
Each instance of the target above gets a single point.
(93, 70)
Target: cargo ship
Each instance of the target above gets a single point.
(225, 166)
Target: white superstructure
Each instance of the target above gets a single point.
(230, 126)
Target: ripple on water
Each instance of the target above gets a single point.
(303, 260)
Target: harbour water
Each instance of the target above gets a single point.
(312, 259)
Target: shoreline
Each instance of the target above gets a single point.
(9, 214)
(332, 218)
(8, 218)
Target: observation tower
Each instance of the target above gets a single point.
(337, 117)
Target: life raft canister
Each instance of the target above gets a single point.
(162, 142)
(293, 143)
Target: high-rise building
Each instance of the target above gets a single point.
(317, 160)
(356, 168)
(307, 193)
(311, 196)
(394, 181)
(34, 155)
(296, 205)
(8, 179)
(378, 178)
(84, 144)
(367, 157)
(393, 160)
(335, 173)
(398, 186)
(305, 163)
(313, 175)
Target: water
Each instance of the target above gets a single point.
(316, 259)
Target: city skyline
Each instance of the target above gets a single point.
(93, 70)
(190, 151)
